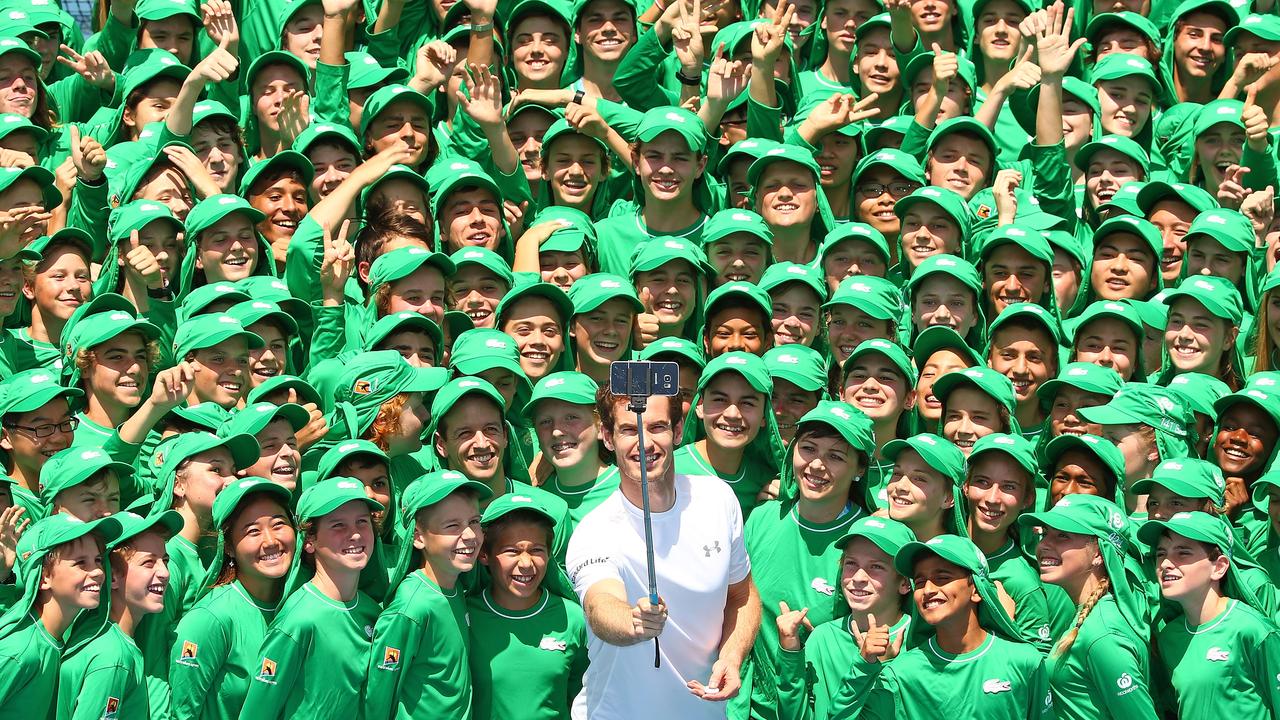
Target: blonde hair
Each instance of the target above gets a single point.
(1064, 644)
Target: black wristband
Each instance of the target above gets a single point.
(686, 80)
(160, 293)
(578, 97)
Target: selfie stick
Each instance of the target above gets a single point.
(637, 405)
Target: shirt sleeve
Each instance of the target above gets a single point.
(102, 691)
(1115, 668)
(200, 651)
(280, 665)
(1265, 659)
(589, 562)
(793, 690)
(396, 638)
(739, 563)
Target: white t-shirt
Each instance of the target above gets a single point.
(698, 552)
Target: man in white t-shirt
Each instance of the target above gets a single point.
(709, 610)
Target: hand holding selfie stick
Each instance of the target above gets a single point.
(639, 381)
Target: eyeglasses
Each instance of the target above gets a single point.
(43, 431)
(897, 190)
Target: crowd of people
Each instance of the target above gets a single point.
(310, 306)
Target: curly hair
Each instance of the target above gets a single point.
(86, 358)
(387, 423)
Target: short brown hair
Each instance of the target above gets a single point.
(607, 407)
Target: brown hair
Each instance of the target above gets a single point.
(383, 225)
(1063, 645)
(607, 407)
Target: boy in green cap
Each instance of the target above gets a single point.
(851, 249)
(216, 348)
(518, 625)
(738, 246)
(478, 283)
(419, 666)
(1025, 346)
(669, 276)
(799, 384)
(975, 644)
(797, 292)
(739, 318)
(61, 571)
(861, 308)
(275, 428)
(832, 672)
(730, 435)
(605, 307)
(669, 163)
(106, 677)
(86, 483)
(786, 191)
(927, 471)
(36, 421)
(1204, 321)
(1195, 565)
(313, 659)
(789, 539)
(1079, 385)
(562, 410)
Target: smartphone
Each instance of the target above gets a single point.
(644, 379)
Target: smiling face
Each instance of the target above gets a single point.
(11, 281)
(970, 414)
(603, 335)
(660, 434)
(1106, 172)
(1217, 149)
(1064, 416)
(472, 437)
(737, 327)
(795, 314)
(1163, 503)
(567, 433)
(1124, 267)
(848, 327)
(927, 230)
(868, 580)
(667, 168)
(944, 591)
(261, 538)
(1185, 567)
(333, 162)
(918, 495)
(935, 366)
(1207, 256)
(471, 217)
(539, 46)
(228, 249)
(534, 323)
(998, 491)
(876, 191)
(876, 386)
(997, 29)
(1196, 338)
(517, 553)
(606, 28)
(95, 498)
(739, 257)
(1198, 48)
(61, 283)
(941, 299)
(73, 577)
(221, 373)
(201, 477)
(876, 64)
(30, 452)
(1126, 105)
(1065, 559)
(562, 268)
(1108, 342)
(790, 403)
(1027, 355)
(731, 411)
(574, 167)
(302, 33)
(849, 258)
(140, 573)
(118, 376)
(449, 535)
(1012, 275)
(1245, 439)
(961, 162)
(825, 467)
(342, 540)
(787, 195)
(278, 459)
(669, 291)
(1080, 473)
(477, 292)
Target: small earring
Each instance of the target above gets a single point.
(231, 562)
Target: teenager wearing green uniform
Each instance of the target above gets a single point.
(213, 346)
(61, 567)
(880, 381)
(1244, 448)
(976, 401)
(975, 645)
(1200, 336)
(274, 427)
(1109, 333)
(418, 665)
(937, 351)
(730, 435)
(604, 311)
(35, 421)
(1223, 654)
(922, 491)
(66, 256)
(195, 468)
(313, 659)
(1100, 667)
(86, 483)
(861, 308)
(1025, 345)
(671, 192)
(1079, 385)
(105, 678)
(562, 410)
(800, 378)
(789, 539)
(519, 626)
(215, 654)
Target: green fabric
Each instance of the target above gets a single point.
(829, 679)
(103, 680)
(156, 633)
(1105, 673)
(582, 499)
(1226, 667)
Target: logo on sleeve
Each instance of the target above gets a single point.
(390, 659)
(112, 710)
(996, 685)
(188, 654)
(552, 644)
(714, 546)
(821, 585)
(1217, 654)
(1125, 683)
(267, 673)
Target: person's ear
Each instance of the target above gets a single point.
(1220, 568)
(439, 445)
(28, 291)
(6, 441)
(419, 540)
(697, 410)
(606, 437)
(909, 400)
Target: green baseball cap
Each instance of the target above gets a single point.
(329, 495)
(1200, 391)
(781, 153)
(875, 296)
(875, 137)
(328, 132)
(231, 496)
(1121, 310)
(285, 160)
(475, 351)
(32, 389)
(1265, 27)
(136, 215)
(742, 290)
(750, 367)
(12, 122)
(204, 331)
(854, 231)
(1085, 376)
(1115, 143)
(888, 535)
(896, 160)
(1125, 201)
(436, 486)
(213, 209)
(1227, 111)
(367, 72)
(387, 94)
(569, 386)
(991, 383)
(209, 109)
(254, 418)
(278, 57)
(161, 9)
(1254, 395)
(561, 128)
(1188, 477)
(799, 365)
(1198, 526)
(596, 289)
(951, 265)
(61, 528)
(74, 465)
(1133, 20)
(1031, 311)
(1229, 227)
(669, 348)
(1134, 226)
(952, 548)
(733, 221)
(1083, 515)
(270, 386)
(198, 302)
(660, 251)
(1029, 239)
(1215, 294)
(967, 125)
(949, 201)
(940, 337)
(937, 452)
(688, 126)
(890, 350)
(340, 453)
(1146, 404)
(15, 45)
(485, 258)
(779, 274)
(373, 377)
(405, 261)
(244, 450)
(254, 311)
(1121, 65)
(852, 424)
(39, 175)
(144, 66)
(552, 293)
(404, 320)
(168, 523)
(511, 502)
(1022, 450)
(455, 390)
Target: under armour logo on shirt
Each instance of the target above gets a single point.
(714, 546)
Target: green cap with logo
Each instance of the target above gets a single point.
(13, 122)
(956, 267)
(136, 215)
(888, 535)
(777, 154)
(1230, 228)
(937, 452)
(325, 497)
(32, 389)
(779, 274)
(1022, 450)
(1115, 143)
(688, 126)
(401, 321)
(143, 66)
(852, 424)
(551, 293)
(387, 94)
(402, 262)
(475, 351)
(485, 258)
(940, 337)
(161, 9)
(896, 160)
(749, 292)
(1122, 65)
(799, 365)
(660, 251)
(749, 366)
(1262, 26)
(674, 349)
(963, 553)
(733, 221)
(254, 418)
(1084, 376)
(367, 72)
(213, 209)
(568, 386)
(1215, 294)
(167, 523)
(1029, 239)
(50, 197)
(875, 296)
(74, 465)
(854, 231)
(596, 289)
(993, 384)
(1200, 391)
(232, 496)
(1146, 404)
(963, 124)
(1188, 477)
(205, 331)
(891, 351)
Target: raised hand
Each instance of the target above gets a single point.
(339, 260)
(789, 624)
(1231, 193)
(218, 66)
(293, 117)
(1256, 125)
(1251, 67)
(12, 525)
(483, 99)
(768, 38)
(220, 23)
(20, 224)
(173, 385)
(686, 37)
(337, 8)
(586, 121)
(875, 644)
(726, 78)
(195, 171)
(1006, 182)
(15, 158)
(435, 63)
(92, 67)
(1023, 75)
(1260, 207)
(315, 429)
(142, 262)
(1051, 33)
(87, 155)
(946, 65)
